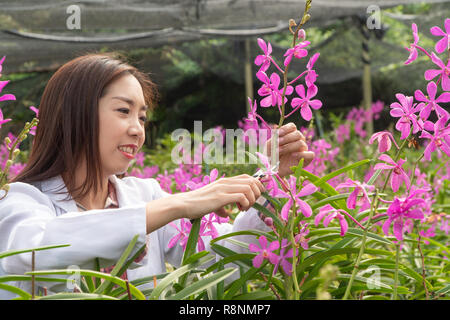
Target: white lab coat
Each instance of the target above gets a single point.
(39, 215)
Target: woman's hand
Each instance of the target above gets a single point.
(291, 147)
(243, 190)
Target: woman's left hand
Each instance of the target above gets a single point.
(291, 148)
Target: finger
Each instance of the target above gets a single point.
(308, 156)
(287, 128)
(292, 137)
(296, 146)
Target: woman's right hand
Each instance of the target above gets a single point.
(243, 190)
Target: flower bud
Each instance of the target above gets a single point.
(9, 162)
(301, 34)
(268, 222)
(292, 23)
(7, 140)
(16, 152)
(305, 18)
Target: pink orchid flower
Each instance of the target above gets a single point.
(36, 111)
(263, 60)
(300, 238)
(398, 174)
(330, 213)
(443, 44)
(265, 251)
(401, 211)
(384, 140)
(440, 139)
(412, 47)
(359, 187)
(405, 110)
(1, 63)
(443, 72)
(297, 52)
(302, 206)
(311, 77)
(5, 97)
(270, 88)
(282, 259)
(183, 235)
(343, 132)
(304, 102)
(431, 101)
(2, 120)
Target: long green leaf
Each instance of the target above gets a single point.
(237, 284)
(107, 277)
(23, 294)
(226, 252)
(77, 296)
(192, 240)
(255, 295)
(203, 284)
(277, 222)
(340, 171)
(174, 275)
(119, 264)
(14, 252)
(245, 232)
(239, 257)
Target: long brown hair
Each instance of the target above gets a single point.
(68, 126)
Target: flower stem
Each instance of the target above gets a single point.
(397, 255)
(363, 246)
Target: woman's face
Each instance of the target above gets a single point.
(122, 114)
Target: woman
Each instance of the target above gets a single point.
(92, 117)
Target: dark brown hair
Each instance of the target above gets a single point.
(68, 126)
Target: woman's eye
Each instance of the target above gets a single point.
(144, 119)
(123, 110)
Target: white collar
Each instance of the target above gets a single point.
(56, 190)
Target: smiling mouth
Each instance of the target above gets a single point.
(128, 151)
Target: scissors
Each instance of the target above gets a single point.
(259, 174)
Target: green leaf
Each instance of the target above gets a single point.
(277, 222)
(174, 275)
(444, 290)
(76, 296)
(235, 257)
(29, 278)
(255, 295)
(14, 252)
(192, 240)
(118, 265)
(19, 292)
(107, 277)
(237, 284)
(245, 232)
(226, 253)
(333, 174)
(203, 284)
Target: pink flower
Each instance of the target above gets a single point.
(305, 102)
(302, 206)
(271, 90)
(443, 72)
(431, 101)
(401, 210)
(2, 120)
(33, 129)
(5, 97)
(312, 75)
(412, 47)
(263, 60)
(443, 44)
(282, 259)
(359, 187)
(1, 62)
(398, 174)
(331, 213)
(343, 132)
(265, 251)
(384, 140)
(301, 236)
(440, 139)
(183, 235)
(405, 110)
(297, 52)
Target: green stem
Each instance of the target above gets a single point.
(363, 246)
(397, 255)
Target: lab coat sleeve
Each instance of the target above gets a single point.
(28, 220)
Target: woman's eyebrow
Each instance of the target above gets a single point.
(130, 102)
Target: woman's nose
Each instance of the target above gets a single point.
(136, 128)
